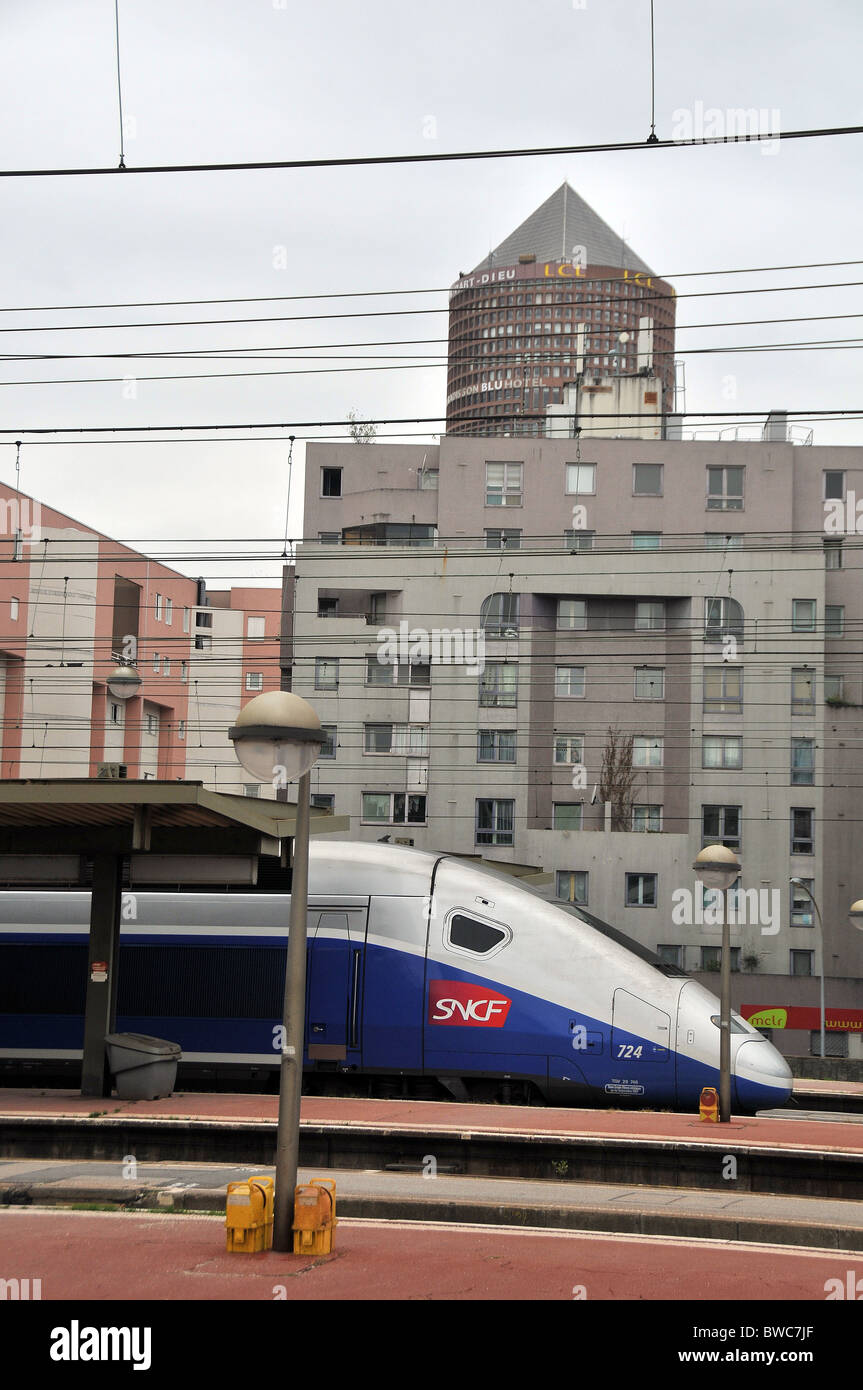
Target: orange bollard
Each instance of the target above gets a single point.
(708, 1106)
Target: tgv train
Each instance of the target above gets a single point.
(420, 965)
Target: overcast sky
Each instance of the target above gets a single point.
(220, 80)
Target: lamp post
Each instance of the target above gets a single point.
(277, 738)
(799, 883)
(718, 868)
(124, 682)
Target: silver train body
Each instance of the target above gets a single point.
(419, 965)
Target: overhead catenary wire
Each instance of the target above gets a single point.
(452, 156)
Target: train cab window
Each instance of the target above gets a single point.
(738, 1024)
(471, 935)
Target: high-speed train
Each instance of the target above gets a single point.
(420, 965)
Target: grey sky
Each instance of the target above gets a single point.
(223, 81)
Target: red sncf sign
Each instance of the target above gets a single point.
(466, 1006)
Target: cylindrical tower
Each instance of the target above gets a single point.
(551, 301)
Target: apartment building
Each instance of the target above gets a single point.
(75, 604)
(478, 620)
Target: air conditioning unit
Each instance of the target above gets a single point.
(111, 772)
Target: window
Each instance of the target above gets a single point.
(572, 613)
(114, 714)
(204, 618)
(723, 540)
(802, 831)
(331, 482)
(833, 687)
(394, 808)
(566, 815)
(647, 751)
(723, 617)
(428, 479)
(834, 620)
(494, 822)
(502, 540)
(499, 615)
(647, 479)
(835, 1043)
(722, 751)
(833, 554)
(181, 728)
(711, 959)
(723, 689)
(184, 671)
(650, 616)
(834, 485)
(404, 740)
(187, 619)
(157, 663)
(327, 673)
(413, 673)
(468, 934)
(379, 672)
(720, 825)
(569, 748)
(641, 890)
(203, 644)
(328, 607)
(671, 955)
(725, 489)
(802, 762)
(650, 682)
(803, 615)
(251, 789)
(495, 746)
(255, 627)
(498, 685)
(801, 904)
(581, 479)
(503, 484)
(578, 541)
(158, 606)
(801, 963)
(329, 537)
(166, 666)
(331, 734)
(152, 723)
(14, 608)
(569, 682)
(646, 540)
(646, 818)
(571, 886)
(323, 801)
(254, 680)
(802, 690)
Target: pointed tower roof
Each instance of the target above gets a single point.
(562, 222)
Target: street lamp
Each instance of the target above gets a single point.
(124, 682)
(799, 883)
(855, 914)
(277, 738)
(718, 868)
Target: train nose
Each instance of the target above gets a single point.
(761, 1074)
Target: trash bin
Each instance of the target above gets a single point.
(144, 1068)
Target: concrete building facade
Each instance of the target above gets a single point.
(476, 619)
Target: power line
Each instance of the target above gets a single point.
(370, 294)
(365, 161)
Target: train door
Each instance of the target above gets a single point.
(334, 986)
(640, 1062)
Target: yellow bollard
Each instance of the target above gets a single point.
(708, 1106)
(249, 1216)
(315, 1217)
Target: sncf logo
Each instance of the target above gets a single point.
(466, 1006)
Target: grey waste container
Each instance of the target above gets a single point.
(144, 1068)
